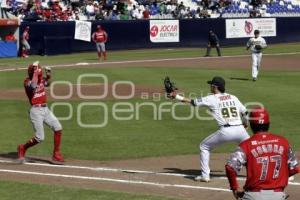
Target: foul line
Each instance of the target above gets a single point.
(103, 169)
(114, 180)
(146, 61)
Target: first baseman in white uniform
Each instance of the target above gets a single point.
(230, 115)
(256, 45)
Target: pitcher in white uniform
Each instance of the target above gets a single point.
(231, 117)
(256, 45)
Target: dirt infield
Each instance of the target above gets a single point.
(165, 176)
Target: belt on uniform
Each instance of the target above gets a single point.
(259, 190)
(39, 105)
(228, 125)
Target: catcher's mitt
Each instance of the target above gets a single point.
(169, 86)
(258, 47)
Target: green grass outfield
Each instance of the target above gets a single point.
(147, 137)
(141, 55)
(21, 191)
(278, 90)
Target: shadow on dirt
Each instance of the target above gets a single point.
(192, 173)
(14, 156)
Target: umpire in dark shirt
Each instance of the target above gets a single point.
(213, 41)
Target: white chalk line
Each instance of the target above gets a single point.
(127, 171)
(163, 185)
(146, 61)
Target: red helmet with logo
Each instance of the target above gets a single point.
(32, 67)
(259, 115)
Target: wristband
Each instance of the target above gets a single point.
(178, 97)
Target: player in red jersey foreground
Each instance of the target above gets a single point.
(269, 161)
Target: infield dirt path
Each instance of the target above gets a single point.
(165, 176)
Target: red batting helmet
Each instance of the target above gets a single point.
(259, 120)
(259, 115)
(32, 67)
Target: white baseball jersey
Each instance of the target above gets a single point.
(225, 108)
(256, 41)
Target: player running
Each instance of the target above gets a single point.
(269, 161)
(34, 86)
(100, 38)
(256, 45)
(230, 115)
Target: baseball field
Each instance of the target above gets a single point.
(122, 138)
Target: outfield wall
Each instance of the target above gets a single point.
(57, 37)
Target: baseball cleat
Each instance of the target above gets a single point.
(57, 157)
(202, 179)
(254, 79)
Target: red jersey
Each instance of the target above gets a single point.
(267, 158)
(36, 95)
(269, 161)
(25, 35)
(100, 36)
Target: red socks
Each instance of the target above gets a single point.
(57, 141)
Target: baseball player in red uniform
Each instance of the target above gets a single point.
(269, 160)
(100, 38)
(34, 86)
(25, 43)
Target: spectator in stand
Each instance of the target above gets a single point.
(75, 4)
(96, 9)
(134, 12)
(121, 6)
(47, 13)
(108, 15)
(10, 37)
(115, 15)
(90, 11)
(146, 13)
(56, 7)
(4, 7)
(54, 10)
(181, 6)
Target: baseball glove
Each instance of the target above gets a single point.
(258, 47)
(169, 86)
(47, 69)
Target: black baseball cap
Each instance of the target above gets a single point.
(217, 81)
(256, 32)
